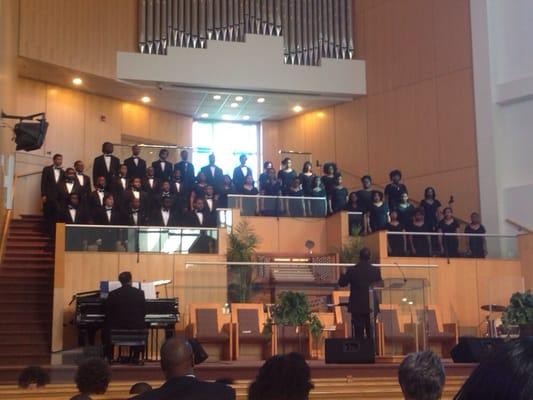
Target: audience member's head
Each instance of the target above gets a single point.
(81, 396)
(421, 376)
(125, 278)
(93, 376)
(364, 254)
(140, 388)
(282, 377)
(176, 358)
(33, 376)
(507, 374)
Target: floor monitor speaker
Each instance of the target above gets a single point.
(350, 351)
(473, 350)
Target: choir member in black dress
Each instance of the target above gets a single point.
(396, 243)
(186, 168)
(198, 189)
(271, 205)
(477, 245)
(431, 207)
(306, 178)
(329, 178)
(355, 221)
(319, 204)
(84, 180)
(378, 215)
(405, 210)
(449, 245)
(213, 174)
(364, 195)
(162, 168)
(286, 175)
(339, 196)
(136, 165)
(420, 244)
(68, 185)
(222, 193)
(106, 165)
(263, 177)
(394, 190)
(249, 205)
(296, 205)
(241, 172)
(50, 178)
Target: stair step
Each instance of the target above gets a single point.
(24, 295)
(25, 338)
(26, 222)
(24, 283)
(29, 258)
(29, 244)
(24, 359)
(27, 267)
(10, 251)
(26, 308)
(35, 324)
(33, 349)
(20, 273)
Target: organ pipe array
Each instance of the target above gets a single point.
(311, 29)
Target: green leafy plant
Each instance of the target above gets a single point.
(349, 252)
(293, 309)
(242, 243)
(520, 309)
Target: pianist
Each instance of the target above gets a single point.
(125, 308)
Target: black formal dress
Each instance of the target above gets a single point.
(355, 221)
(338, 198)
(286, 178)
(163, 170)
(396, 242)
(223, 193)
(329, 183)
(100, 168)
(189, 388)
(319, 203)
(213, 175)
(249, 204)
(394, 194)
(421, 243)
(450, 243)
(187, 172)
(239, 177)
(296, 205)
(378, 217)
(263, 178)
(476, 243)
(430, 211)
(136, 167)
(270, 206)
(405, 214)
(307, 183)
(360, 278)
(364, 199)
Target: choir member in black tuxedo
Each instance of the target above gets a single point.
(186, 169)
(151, 185)
(199, 217)
(241, 172)
(364, 195)
(84, 180)
(164, 216)
(136, 165)
(180, 191)
(95, 201)
(108, 239)
(395, 189)
(106, 165)
(211, 203)
(164, 193)
(125, 308)
(162, 168)
(135, 215)
(75, 214)
(198, 189)
(360, 278)
(120, 183)
(50, 178)
(213, 174)
(135, 192)
(66, 187)
(263, 177)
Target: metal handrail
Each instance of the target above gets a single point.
(259, 263)
(452, 234)
(261, 196)
(29, 174)
(161, 228)
(520, 227)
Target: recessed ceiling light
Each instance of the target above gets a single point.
(246, 117)
(77, 81)
(297, 108)
(238, 98)
(217, 97)
(234, 105)
(227, 117)
(146, 99)
(205, 115)
(261, 100)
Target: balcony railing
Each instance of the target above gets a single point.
(279, 206)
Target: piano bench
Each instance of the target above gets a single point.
(130, 338)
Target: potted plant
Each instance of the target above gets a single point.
(520, 312)
(349, 252)
(242, 243)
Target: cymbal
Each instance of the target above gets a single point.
(493, 308)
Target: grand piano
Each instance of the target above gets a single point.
(161, 314)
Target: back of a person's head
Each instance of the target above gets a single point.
(282, 377)
(93, 376)
(364, 254)
(81, 396)
(33, 376)
(125, 278)
(140, 388)
(506, 374)
(421, 376)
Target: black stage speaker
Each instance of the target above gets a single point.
(350, 351)
(30, 135)
(474, 350)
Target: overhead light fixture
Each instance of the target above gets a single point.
(146, 99)
(217, 97)
(239, 98)
(297, 108)
(261, 100)
(246, 117)
(227, 117)
(234, 105)
(205, 115)
(77, 81)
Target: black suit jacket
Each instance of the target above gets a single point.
(239, 177)
(156, 219)
(135, 171)
(189, 388)
(86, 187)
(163, 175)
(142, 218)
(63, 194)
(99, 168)
(128, 196)
(125, 308)
(49, 184)
(93, 202)
(215, 180)
(82, 216)
(187, 172)
(191, 220)
(100, 217)
(360, 278)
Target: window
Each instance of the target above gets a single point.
(227, 140)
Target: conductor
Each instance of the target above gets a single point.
(360, 277)
(125, 308)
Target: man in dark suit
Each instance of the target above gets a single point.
(50, 178)
(135, 215)
(66, 187)
(95, 201)
(108, 214)
(106, 165)
(177, 363)
(164, 216)
(213, 174)
(186, 169)
(199, 217)
(135, 192)
(151, 185)
(360, 277)
(120, 183)
(180, 191)
(83, 180)
(162, 168)
(125, 308)
(136, 165)
(75, 214)
(240, 173)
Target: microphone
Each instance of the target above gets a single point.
(399, 285)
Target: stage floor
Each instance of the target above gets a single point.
(236, 370)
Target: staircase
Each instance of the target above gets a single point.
(26, 291)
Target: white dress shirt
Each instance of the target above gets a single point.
(212, 171)
(178, 186)
(163, 166)
(151, 182)
(72, 212)
(136, 161)
(57, 174)
(135, 216)
(101, 197)
(81, 179)
(108, 213)
(244, 170)
(209, 204)
(70, 186)
(166, 216)
(136, 194)
(200, 217)
(107, 159)
(123, 183)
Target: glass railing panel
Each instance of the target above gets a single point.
(279, 206)
(356, 221)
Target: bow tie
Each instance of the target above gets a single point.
(165, 194)
(79, 173)
(134, 211)
(70, 207)
(69, 180)
(199, 212)
(165, 209)
(107, 155)
(135, 190)
(100, 190)
(109, 208)
(135, 157)
(58, 168)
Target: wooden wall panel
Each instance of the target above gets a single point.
(136, 120)
(163, 125)
(525, 243)
(270, 142)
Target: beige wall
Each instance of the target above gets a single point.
(80, 123)
(418, 115)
